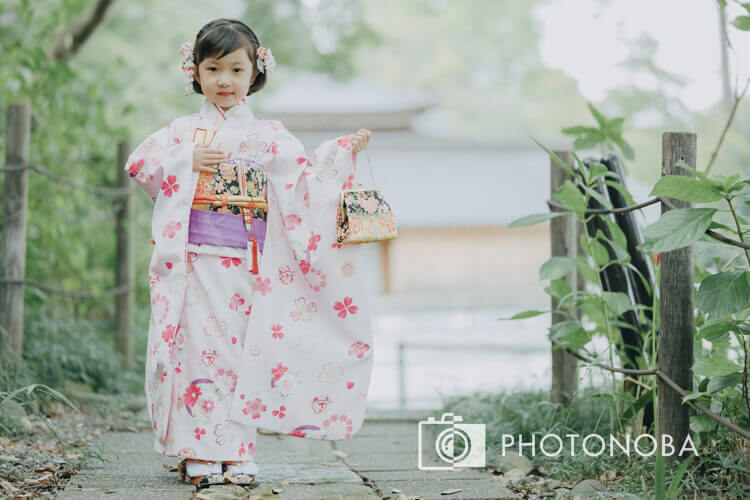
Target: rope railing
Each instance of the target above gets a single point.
(663, 376)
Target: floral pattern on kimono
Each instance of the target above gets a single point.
(305, 362)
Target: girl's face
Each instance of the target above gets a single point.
(226, 80)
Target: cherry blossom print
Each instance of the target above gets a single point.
(191, 395)
(304, 266)
(303, 310)
(349, 183)
(359, 349)
(250, 450)
(338, 425)
(186, 453)
(235, 302)
(199, 432)
(302, 159)
(298, 433)
(273, 148)
(280, 370)
(135, 167)
(227, 171)
(345, 307)
(312, 243)
(262, 285)
(345, 142)
(349, 385)
(249, 310)
(230, 261)
(159, 308)
(168, 334)
(171, 228)
(254, 408)
(276, 331)
(286, 275)
(330, 373)
(231, 375)
(208, 406)
(291, 221)
(280, 412)
(169, 186)
(326, 171)
(215, 327)
(316, 278)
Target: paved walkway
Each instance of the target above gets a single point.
(379, 461)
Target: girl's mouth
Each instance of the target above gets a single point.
(225, 94)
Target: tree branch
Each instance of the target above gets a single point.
(72, 38)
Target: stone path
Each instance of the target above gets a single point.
(379, 461)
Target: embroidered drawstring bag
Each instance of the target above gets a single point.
(363, 214)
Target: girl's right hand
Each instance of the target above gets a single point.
(203, 157)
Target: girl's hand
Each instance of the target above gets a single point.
(360, 140)
(203, 157)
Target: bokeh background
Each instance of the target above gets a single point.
(454, 92)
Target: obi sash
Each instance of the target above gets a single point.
(217, 228)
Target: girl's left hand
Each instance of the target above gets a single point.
(360, 140)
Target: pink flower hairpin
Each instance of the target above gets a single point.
(188, 66)
(265, 60)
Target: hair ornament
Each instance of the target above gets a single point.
(265, 60)
(188, 66)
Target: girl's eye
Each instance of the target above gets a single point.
(237, 70)
(211, 68)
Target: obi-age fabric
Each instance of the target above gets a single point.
(302, 365)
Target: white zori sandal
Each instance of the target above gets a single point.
(201, 472)
(243, 472)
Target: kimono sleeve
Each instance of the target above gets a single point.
(145, 163)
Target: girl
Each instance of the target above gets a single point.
(258, 316)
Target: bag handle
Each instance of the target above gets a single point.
(369, 163)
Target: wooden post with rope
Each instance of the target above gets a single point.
(675, 355)
(15, 206)
(124, 258)
(564, 243)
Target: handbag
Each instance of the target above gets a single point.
(363, 215)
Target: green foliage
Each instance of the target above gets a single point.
(676, 229)
(608, 134)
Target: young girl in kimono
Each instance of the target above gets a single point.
(258, 317)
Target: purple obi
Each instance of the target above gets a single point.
(217, 228)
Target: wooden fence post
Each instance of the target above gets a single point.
(15, 206)
(675, 356)
(124, 260)
(563, 242)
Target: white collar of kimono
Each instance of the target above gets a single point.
(240, 111)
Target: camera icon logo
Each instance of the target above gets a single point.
(455, 443)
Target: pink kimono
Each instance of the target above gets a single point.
(288, 349)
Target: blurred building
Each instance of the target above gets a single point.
(452, 196)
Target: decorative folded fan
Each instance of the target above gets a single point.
(363, 215)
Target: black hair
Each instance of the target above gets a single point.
(222, 36)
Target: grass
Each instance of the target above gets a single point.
(713, 472)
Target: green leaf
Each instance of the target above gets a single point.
(570, 332)
(580, 129)
(557, 267)
(556, 159)
(525, 314)
(722, 294)
(716, 384)
(597, 170)
(715, 367)
(627, 150)
(598, 196)
(530, 220)
(676, 484)
(569, 195)
(685, 188)
(618, 302)
(558, 289)
(742, 23)
(676, 229)
(600, 119)
(599, 253)
(715, 331)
